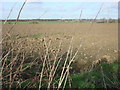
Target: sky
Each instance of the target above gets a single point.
(59, 10)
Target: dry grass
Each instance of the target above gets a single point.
(45, 55)
(48, 60)
(46, 64)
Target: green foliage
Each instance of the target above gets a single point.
(36, 35)
(94, 78)
(104, 75)
(13, 37)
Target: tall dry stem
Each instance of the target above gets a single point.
(10, 13)
(43, 67)
(68, 52)
(53, 70)
(67, 69)
(17, 17)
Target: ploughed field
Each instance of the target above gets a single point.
(84, 44)
(95, 40)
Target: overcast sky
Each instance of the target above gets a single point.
(58, 10)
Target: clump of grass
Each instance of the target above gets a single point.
(46, 67)
(36, 35)
(14, 37)
(103, 76)
(33, 70)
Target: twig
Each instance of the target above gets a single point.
(96, 16)
(10, 13)
(70, 62)
(45, 58)
(80, 15)
(66, 79)
(17, 17)
(66, 60)
(103, 77)
(53, 70)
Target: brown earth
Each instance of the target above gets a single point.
(99, 40)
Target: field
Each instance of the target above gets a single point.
(76, 48)
(101, 39)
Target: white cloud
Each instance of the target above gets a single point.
(110, 5)
(60, 0)
(33, 0)
(20, 0)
